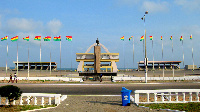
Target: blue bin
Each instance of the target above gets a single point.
(125, 96)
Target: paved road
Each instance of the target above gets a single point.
(98, 88)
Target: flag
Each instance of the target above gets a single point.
(161, 38)
(151, 37)
(57, 38)
(27, 38)
(14, 38)
(181, 39)
(190, 37)
(37, 38)
(122, 38)
(4, 38)
(69, 38)
(130, 38)
(142, 38)
(47, 38)
(171, 38)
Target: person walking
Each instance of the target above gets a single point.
(10, 78)
(15, 77)
(101, 77)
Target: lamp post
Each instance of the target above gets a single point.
(145, 59)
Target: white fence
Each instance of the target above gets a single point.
(46, 78)
(156, 78)
(167, 96)
(27, 98)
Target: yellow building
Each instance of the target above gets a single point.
(110, 58)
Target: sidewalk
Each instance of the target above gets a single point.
(96, 104)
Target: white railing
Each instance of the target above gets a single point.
(32, 99)
(156, 78)
(167, 96)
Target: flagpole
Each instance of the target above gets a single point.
(60, 57)
(173, 57)
(50, 58)
(124, 58)
(40, 51)
(192, 56)
(133, 53)
(153, 53)
(17, 58)
(7, 60)
(183, 54)
(28, 61)
(162, 60)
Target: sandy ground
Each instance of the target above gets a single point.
(96, 104)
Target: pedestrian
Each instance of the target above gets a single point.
(101, 77)
(15, 77)
(10, 78)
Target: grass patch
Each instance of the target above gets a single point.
(189, 107)
(14, 108)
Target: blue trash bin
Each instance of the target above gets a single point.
(125, 96)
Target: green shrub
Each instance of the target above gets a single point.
(11, 92)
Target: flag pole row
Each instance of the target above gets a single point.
(47, 38)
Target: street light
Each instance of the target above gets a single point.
(145, 59)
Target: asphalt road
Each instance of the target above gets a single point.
(98, 89)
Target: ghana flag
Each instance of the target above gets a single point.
(191, 37)
(161, 38)
(181, 39)
(130, 38)
(37, 38)
(47, 38)
(122, 38)
(69, 38)
(14, 38)
(4, 38)
(171, 38)
(57, 38)
(142, 38)
(151, 37)
(27, 38)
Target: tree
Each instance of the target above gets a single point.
(11, 92)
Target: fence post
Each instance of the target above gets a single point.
(35, 100)
(176, 97)
(21, 101)
(170, 96)
(49, 101)
(155, 97)
(28, 100)
(162, 97)
(197, 96)
(190, 96)
(183, 97)
(0, 99)
(6, 100)
(147, 97)
(137, 97)
(42, 101)
(14, 102)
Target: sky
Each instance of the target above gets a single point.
(107, 20)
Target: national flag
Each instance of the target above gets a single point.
(57, 38)
(37, 38)
(122, 38)
(181, 39)
(151, 37)
(142, 38)
(171, 38)
(14, 38)
(190, 37)
(130, 38)
(47, 38)
(69, 38)
(161, 38)
(27, 38)
(4, 38)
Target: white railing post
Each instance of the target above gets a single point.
(0, 99)
(35, 100)
(21, 101)
(162, 97)
(147, 97)
(197, 96)
(137, 98)
(170, 96)
(49, 101)
(183, 96)
(6, 100)
(176, 97)
(190, 96)
(28, 100)
(155, 97)
(14, 102)
(42, 101)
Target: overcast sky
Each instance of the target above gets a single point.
(108, 20)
